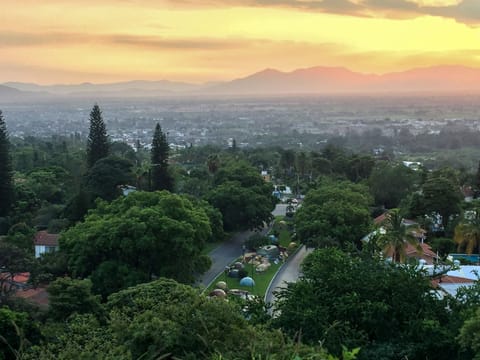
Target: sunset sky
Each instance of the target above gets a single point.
(72, 41)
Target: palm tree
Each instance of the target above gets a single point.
(397, 236)
(213, 163)
(467, 233)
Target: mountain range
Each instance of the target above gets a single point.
(315, 80)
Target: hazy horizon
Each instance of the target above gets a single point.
(106, 41)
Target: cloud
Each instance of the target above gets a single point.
(24, 39)
(465, 11)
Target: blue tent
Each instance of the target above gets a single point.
(247, 281)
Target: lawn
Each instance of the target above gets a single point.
(262, 280)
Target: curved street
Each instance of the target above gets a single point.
(230, 250)
(290, 272)
(224, 255)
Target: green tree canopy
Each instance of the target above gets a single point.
(161, 178)
(164, 319)
(6, 177)
(387, 310)
(97, 142)
(335, 213)
(390, 184)
(70, 296)
(105, 176)
(136, 238)
(241, 195)
(441, 194)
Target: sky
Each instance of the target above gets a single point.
(73, 41)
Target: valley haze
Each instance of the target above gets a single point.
(315, 80)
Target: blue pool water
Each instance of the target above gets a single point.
(472, 258)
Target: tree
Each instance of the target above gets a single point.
(164, 319)
(21, 236)
(213, 163)
(467, 233)
(390, 184)
(70, 296)
(11, 333)
(441, 194)
(13, 261)
(48, 184)
(6, 175)
(161, 178)
(137, 238)
(242, 196)
(397, 236)
(469, 337)
(337, 213)
(97, 142)
(105, 176)
(386, 310)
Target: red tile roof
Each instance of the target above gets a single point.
(44, 238)
(424, 252)
(38, 296)
(380, 219)
(446, 279)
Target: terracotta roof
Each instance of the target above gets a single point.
(46, 239)
(38, 296)
(19, 278)
(380, 219)
(425, 252)
(446, 279)
(22, 277)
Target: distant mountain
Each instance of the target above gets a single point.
(315, 80)
(335, 80)
(119, 89)
(7, 91)
(10, 94)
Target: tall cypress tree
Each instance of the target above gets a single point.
(97, 143)
(160, 177)
(6, 178)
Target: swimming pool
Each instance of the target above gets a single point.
(473, 258)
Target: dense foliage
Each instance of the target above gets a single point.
(111, 242)
(336, 213)
(6, 180)
(97, 142)
(387, 310)
(242, 196)
(161, 178)
(137, 238)
(164, 319)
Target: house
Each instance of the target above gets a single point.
(45, 242)
(127, 189)
(453, 280)
(422, 252)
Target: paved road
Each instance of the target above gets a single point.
(280, 210)
(290, 272)
(223, 256)
(230, 250)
